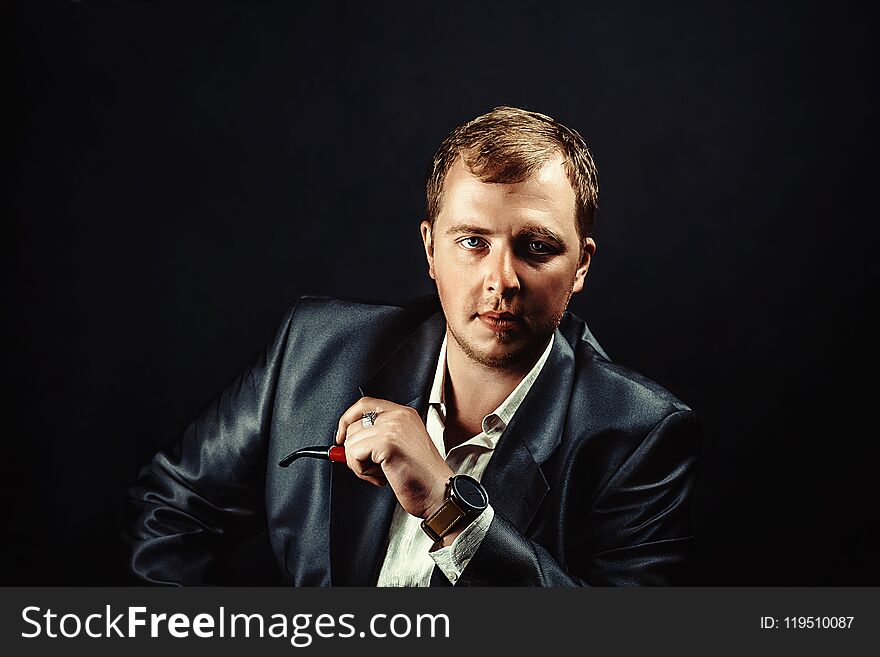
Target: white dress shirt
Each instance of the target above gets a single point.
(409, 560)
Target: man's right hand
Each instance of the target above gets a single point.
(396, 450)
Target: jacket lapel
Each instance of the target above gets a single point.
(360, 514)
(513, 478)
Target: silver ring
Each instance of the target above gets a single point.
(369, 419)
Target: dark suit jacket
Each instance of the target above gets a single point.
(590, 481)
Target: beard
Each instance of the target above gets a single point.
(525, 343)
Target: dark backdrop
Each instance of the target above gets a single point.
(182, 171)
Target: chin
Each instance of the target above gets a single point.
(503, 353)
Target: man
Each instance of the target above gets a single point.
(489, 442)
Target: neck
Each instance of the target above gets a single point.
(473, 389)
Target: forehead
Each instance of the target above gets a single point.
(546, 197)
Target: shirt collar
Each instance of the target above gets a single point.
(494, 423)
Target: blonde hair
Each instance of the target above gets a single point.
(508, 145)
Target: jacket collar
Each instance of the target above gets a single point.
(361, 514)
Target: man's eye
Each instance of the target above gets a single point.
(471, 242)
(541, 248)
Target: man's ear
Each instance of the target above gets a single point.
(589, 248)
(428, 240)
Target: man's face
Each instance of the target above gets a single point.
(506, 259)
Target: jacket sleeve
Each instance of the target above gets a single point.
(638, 528)
(197, 501)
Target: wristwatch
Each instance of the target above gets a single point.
(465, 500)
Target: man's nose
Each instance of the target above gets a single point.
(500, 275)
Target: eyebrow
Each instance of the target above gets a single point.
(468, 228)
(527, 231)
(543, 233)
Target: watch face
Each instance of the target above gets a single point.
(470, 492)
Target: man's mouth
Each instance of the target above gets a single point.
(499, 321)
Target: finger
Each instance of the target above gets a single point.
(367, 469)
(381, 482)
(340, 431)
(361, 453)
(350, 422)
(359, 461)
(364, 433)
(356, 428)
(352, 430)
(355, 413)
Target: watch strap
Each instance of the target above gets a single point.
(443, 520)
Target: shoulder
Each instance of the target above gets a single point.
(319, 329)
(620, 422)
(309, 307)
(617, 396)
(624, 380)
(332, 314)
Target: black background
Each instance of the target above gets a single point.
(183, 170)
